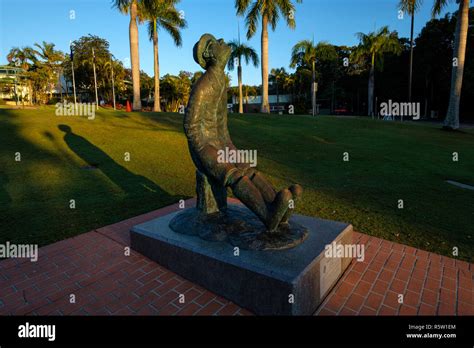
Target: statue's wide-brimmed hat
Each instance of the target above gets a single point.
(199, 49)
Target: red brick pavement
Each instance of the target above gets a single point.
(427, 283)
(94, 270)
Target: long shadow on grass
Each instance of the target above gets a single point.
(5, 198)
(97, 159)
(36, 208)
(25, 216)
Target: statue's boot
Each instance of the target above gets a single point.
(296, 191)
(265, 187)
(270, 214)
(278, 208)
(250, 195)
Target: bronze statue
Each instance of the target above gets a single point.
(205, 126)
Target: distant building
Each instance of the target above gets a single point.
(252, 104)
(62, 86)
(14, 87)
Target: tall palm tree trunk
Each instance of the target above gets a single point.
(371, 91)
(411, 57)
(134, 57)
(265, 108)
(313, 89)
(460, 40)
(156, 106)
(241, 102)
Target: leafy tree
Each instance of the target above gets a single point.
(277, 76)
(176, 90)
(104, 61)
(51, 59)
(310, 58)
(371, 50)
(21, 57)
(432, 57)
(42, 68)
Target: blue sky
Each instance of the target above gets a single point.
(24, 22)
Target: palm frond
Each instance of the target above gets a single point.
(252, 18)
(174, 32)
(287, 9)
(376, 44)
(438, 7)
(150, 28)
(410, 6)
(241, 6)
(122, 5)
(239, 51)
(301, 52)
(166, 17)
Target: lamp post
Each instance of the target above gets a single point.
(73, 79)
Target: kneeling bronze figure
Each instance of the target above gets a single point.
(205, 126)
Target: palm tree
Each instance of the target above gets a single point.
(289, 84)
(52, 59)
(269, 11)
(278, 76)
(21, 57)
(24, 58)
(459, 56)
(372, 47)
(305, 55)
(240, 50)
(162, 14)
(112, 68)
(132, 7)
(410, 7)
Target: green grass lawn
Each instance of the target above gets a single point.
(388, 162)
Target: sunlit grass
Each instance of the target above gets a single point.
(388, 162)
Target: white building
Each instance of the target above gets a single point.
(252, 103)
(14, 87)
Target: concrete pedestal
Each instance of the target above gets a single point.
(281, 282)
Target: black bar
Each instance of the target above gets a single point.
(226, 330)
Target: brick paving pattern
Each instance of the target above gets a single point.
(94, 269)
(430, 284)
